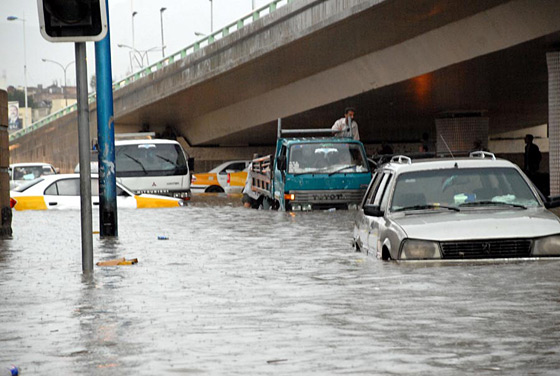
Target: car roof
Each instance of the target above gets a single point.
(28, 164)
(50, 178)
(406, 165)
(142, 142)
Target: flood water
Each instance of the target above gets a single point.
(235, 291)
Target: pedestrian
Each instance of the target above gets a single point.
(477, 146)
(386, 149)
(424, 148)
(533, 156)
(250, 198)
(346, 126)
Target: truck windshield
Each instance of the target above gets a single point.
(150, 159)
(326, 158)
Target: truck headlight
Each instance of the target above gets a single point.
(547, 246)
(419, 250)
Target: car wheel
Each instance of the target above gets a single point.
(385, 254)
(214, 189)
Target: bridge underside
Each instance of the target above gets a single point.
(442, 59)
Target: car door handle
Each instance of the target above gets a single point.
(53, 203)
(96, 203)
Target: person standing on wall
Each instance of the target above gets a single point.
(346, 126)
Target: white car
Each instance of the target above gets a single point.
(23, 172)
(216, 180)
(62, 191)
(464, 209)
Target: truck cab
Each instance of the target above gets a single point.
(313, 173)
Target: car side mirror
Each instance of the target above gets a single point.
(190, 163)
(281, 161)
(552, 202)
(373, 211)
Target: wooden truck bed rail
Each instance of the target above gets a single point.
(261, 174)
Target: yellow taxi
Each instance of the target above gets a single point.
(59, 192)
(215, 180)
(236, 182)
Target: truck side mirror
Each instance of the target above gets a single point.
(190, 163)
(281, 162)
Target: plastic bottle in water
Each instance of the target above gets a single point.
(11, 371)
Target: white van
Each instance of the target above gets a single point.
(153, 166)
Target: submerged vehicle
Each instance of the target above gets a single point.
(477, 208)
(310, 173)
(153, 166)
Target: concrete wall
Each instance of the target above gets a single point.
(56, 144)
(5, 211)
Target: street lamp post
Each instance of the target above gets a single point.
(64, 68)
(139, 55)
(211, 16)
(161, 22)
(133, 40)
(15, 18)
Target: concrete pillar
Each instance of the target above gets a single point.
(553, 61)
(459, 132)
(5, 211)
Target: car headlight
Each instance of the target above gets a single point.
(419, 250)
(547, 246)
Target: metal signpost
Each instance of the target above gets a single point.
(78, 21)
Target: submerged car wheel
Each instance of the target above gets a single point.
(214, 189)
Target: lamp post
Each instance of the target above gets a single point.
(131, 53)
(253, 4)
(64, 69)
(133, 40)
(139, 55)
(161, 22)
(15, 18)
(211, 16)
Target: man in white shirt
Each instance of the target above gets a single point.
(346, 126)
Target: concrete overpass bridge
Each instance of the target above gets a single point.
(463, 70)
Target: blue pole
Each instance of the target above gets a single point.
(106, 137)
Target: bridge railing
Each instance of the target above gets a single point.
(170, 59)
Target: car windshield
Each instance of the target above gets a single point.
(31, 172)
(150, 159)
(326, 158)
(462, 188)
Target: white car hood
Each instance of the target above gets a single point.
(478, 224)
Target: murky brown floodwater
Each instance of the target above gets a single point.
(236, 292)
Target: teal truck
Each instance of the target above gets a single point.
(311, 172)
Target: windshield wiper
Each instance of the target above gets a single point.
(340, 169)
(483, 203)
(431, 206)
(137, 161)
(167, 160)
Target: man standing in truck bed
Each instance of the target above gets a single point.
(346, 126)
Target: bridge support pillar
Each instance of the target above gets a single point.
(460, 132)
(5, 211)
(553, 61)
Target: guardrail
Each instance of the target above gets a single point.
(181, 54)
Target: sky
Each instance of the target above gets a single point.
(181, 20)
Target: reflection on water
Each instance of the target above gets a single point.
(238, 291)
